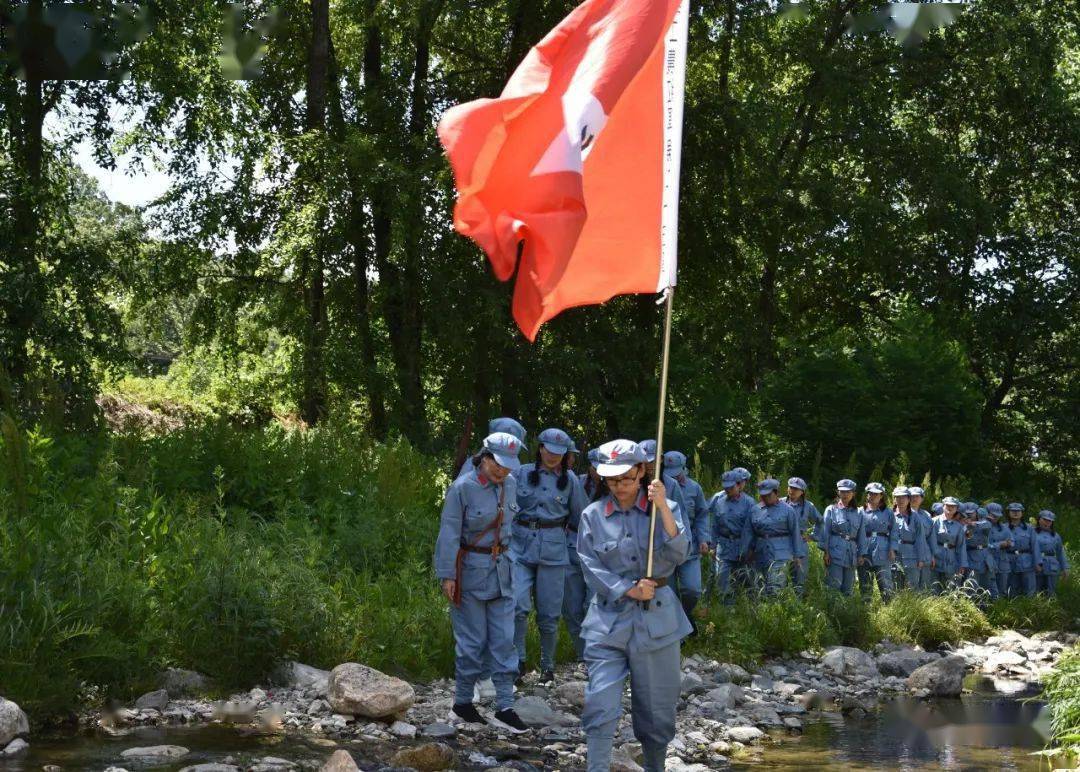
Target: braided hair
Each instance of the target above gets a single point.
(564, 476)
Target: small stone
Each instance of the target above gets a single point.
(745, 734)
(478, 759)
(156, 700)
(402, 729)
(317, 707)
(439, 729)
(623, 761)
(155, 751)
(52, 768)
(793, 723)
(429, 757)
(213, 766)
(257, 695)
(572, 693)
(761, 683)
(16, 747)
(272, 764)
(340, 761)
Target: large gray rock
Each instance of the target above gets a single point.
(904, 662)
(725, 695)
(156, 700)
(358, 690)
(155, 752)
(941, 678)
(297, 675)
(340, 761)
(13, 721)
(184, 683)
(849, 661)
(429, 757)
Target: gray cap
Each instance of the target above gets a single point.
(743, 472)
(505, 448)
(594, 457)
(994, 509)
(675, 463)
(915, 490)
(555, 441)
(1046, 514)
(901, 490)
(768, 485)
(1016, 506)
(797, 482)
(874, 487)
(845, 485)
(649, 448)
(618, 457)
(937, 508)
(730, 479)
(951, 501)
(508, 425)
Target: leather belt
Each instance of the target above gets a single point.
(948, 546)
(537, 524)
(907, 542)
(484, 550)
(1049, 554)
(1021, 552)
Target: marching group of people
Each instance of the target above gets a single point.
(517, 538)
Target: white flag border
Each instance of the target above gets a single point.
(674, 88)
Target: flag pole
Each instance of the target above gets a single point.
(659, 471)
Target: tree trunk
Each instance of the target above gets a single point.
(313, 386)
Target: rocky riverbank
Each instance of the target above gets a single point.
(726, 711)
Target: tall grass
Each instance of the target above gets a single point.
(219, 549)
(228, 549)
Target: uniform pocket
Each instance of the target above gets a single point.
(662, 618)
(553, 546)
(608, 552)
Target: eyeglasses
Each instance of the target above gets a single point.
(613, 481)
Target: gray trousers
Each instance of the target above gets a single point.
(655, 683)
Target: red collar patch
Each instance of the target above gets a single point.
(483, 480)
(609, 507)
(643, 501)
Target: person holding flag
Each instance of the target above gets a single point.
(635, 622)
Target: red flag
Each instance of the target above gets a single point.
(578, 160)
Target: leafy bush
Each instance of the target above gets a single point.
(1062, 693)
(930, 621)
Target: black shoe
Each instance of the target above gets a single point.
(466, 713)
(547, 678)
(508, 719)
